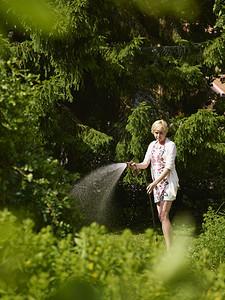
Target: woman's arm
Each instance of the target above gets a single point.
(155, 182)
(142, 165)
(146, 161)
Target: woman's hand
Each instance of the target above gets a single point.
(151, 186)
(132, 165)
(137, 166)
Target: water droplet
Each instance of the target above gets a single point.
(95, 191)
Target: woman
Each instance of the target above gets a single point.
(161, 153)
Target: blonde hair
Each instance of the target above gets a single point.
(159, 125)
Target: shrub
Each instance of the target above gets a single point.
(29, 177)
(98, 265)
(210, 245)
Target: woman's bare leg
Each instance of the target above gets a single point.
(163, 212)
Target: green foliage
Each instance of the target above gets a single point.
(219, 11)
(213, 53)
(180, 80)
(200, 133)
(186, 9)
(92, 139)
(138, 136)
(219, 105)
(37, 265)
(81, 56)
(21, 13)
(15, 116)
(30, 178)
(37, 64)
(210, 245)
(61, 129)
(86, 34)
(28, 260)
(175, 80)
(4, 49)
(102, 266)
(101, 47)
(200, 155)
(92, 53)
(139, 121)
(87, 54)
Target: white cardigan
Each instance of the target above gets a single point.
(169, 157)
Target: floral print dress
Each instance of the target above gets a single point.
(163, 157)
(158, 166)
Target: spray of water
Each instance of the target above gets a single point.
(95, 192)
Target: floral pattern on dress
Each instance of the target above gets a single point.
(158, 166)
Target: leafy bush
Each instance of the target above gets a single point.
(29, 177)
(34, 266)
(210, 245)
(200, 155)
(97, 265)
(137, 138)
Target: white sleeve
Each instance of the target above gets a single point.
(171, 155)
(148, 154)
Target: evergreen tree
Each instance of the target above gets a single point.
(200, 142)
(96, 61)
(31, 181)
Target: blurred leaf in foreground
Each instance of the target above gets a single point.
(177, 8)
(18, 13)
